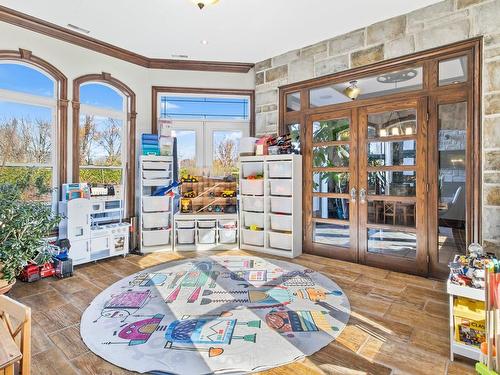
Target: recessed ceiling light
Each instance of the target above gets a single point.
(78, 28)
(205, 42)
(179, 56)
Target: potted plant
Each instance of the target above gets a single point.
(24, 226)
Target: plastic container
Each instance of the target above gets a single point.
(185, 236)
(227, 235)
(252, 187)
(206, 224)
(280, 241)
(281, 187)
(281, 222)
(254, 204)
(228, 224)
(155, 174)
(252, 168)
(155, 237)
(164, 165)
(280, 169)
(185, 224)
(252, 237)
(281, 205)
(206, 236)
(157, 182)
(156, 204)
(155, 220)
(252, 218)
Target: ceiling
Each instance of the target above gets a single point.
(236, 30)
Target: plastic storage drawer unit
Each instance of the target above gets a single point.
(206, 236)
(281, 222)
(280, 169)
(281, 205)
(281, 187)
(156, 204)
(185, 236)
(253, 237)
(252, 187)
(155, 220)
(155, 237)
(280, 241)
(254, 204)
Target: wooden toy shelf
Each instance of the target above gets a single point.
(209, 195)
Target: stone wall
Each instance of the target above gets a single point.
(436, 25)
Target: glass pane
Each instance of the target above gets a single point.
(453, 71)
(100, 141)
(186, 150)
(198, 107)
(294, 130)
(331, 208)
(103, 176)
(21, 78)
(226, 145)
(369, 87)
(331, 156)
(391, 153)
(102, 96)
(330, 182)
(332, 234)
(293, 102)
(452, 179)
(25, 133)
(392, 242)
(398, 183)
(38, 181)
(331, 130)
(392, 213)
(392, 123)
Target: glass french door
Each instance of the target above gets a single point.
(367, 185)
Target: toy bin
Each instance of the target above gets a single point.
(185, 224)
(252, 187)
(155, 220)
(155, 237)
(156, 204)
(281, 187)
(206, 236)
(469, 317)
(281, 205)
(155, 174)
(157, 182)
(281, 222)
(252, 218)
(252, 169)
(280, 169)
(206, 223)
(254, 204)
(163, 165)
(280, 241)
(185, 236)
(227, 235)
(228, 224)
(253, 237)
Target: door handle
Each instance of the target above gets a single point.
(362, 195)
(353, 194)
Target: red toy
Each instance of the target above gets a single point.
(47, 270)
(31, 273)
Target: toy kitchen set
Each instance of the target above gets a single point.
(92, 221)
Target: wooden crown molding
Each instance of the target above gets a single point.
(38, 25)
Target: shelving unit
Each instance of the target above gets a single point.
(156, 214)
(454, 290)
(272, 203)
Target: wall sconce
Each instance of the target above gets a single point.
(352, 91)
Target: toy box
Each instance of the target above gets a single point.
(469, 317)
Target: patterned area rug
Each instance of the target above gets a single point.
(215, 315)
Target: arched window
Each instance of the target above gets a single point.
(33, 109)
(103, 131)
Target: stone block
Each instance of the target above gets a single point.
(493, 75)
(346, 43)
(491, 246)
(367, 56)
(314, 49)
(269, 108)
(386, 30)
(259, 78)
(491, 226)
(267, 97)
(285, 58)
(399, 47)
(486, 18)
(492, 195)
(431, 11)
(331, 65)
(442, 35)
(491, 40)
(445, 19)
(491, 104)
(491, 132)
(491, 53)
(301, 69)
(491, 177)
(263, 65)
(279, 72)
(491, 161)
(467, 3)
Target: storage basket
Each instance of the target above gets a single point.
(253, 237)
(280, 169)
(255, 204)
(206, 236)
(227, 235)
(280, 241)
(185, 236)
(252, 187)
(155, 220)
(281, 205)
(281, 222)
(281, 187)
(252, 218)
(155, 237)
(156, 204)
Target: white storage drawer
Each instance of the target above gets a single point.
(157, 182)
(254, 204)
(281, 205)
(280, 169)
(97, 207)
(252, 237)
(207, 224)
(206, 236)
(227, 235)
(155, 237)
(228, 223)
(185, 224)
(252, 218)
(155, 220)
(252, 169)
(155, 174)
(185, 236)
(281, 187)
(281, 222)
(164, 165)
(281, 241)
(156, 204)
(252, 187)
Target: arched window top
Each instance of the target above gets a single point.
(101, 95)
(19, 77)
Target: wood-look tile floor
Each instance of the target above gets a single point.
(399, 323)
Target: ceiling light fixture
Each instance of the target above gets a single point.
(202, 3)
(78, 28)
(204, 42)
(352, 91)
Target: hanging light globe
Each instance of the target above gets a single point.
(203, 3)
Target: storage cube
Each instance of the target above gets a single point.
(252, 237)
(228, 224)
(280, 169)
(155, 220)
(252, 169)
(281, 187)
(157, 182)
(206, 224)
(281, 205)
(206, 236)
(227, 235)
(254, 204)
(185, 236)
(252, 218)
(281, 241)
(281, 222)
(252, 187)
(155, 237)
(156, 204)
(155, 174)
(185, 224)
(156, 165)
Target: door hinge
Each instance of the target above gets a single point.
(428, 259)
(427, 187)
(428, 116)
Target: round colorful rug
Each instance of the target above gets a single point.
(215, 315)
